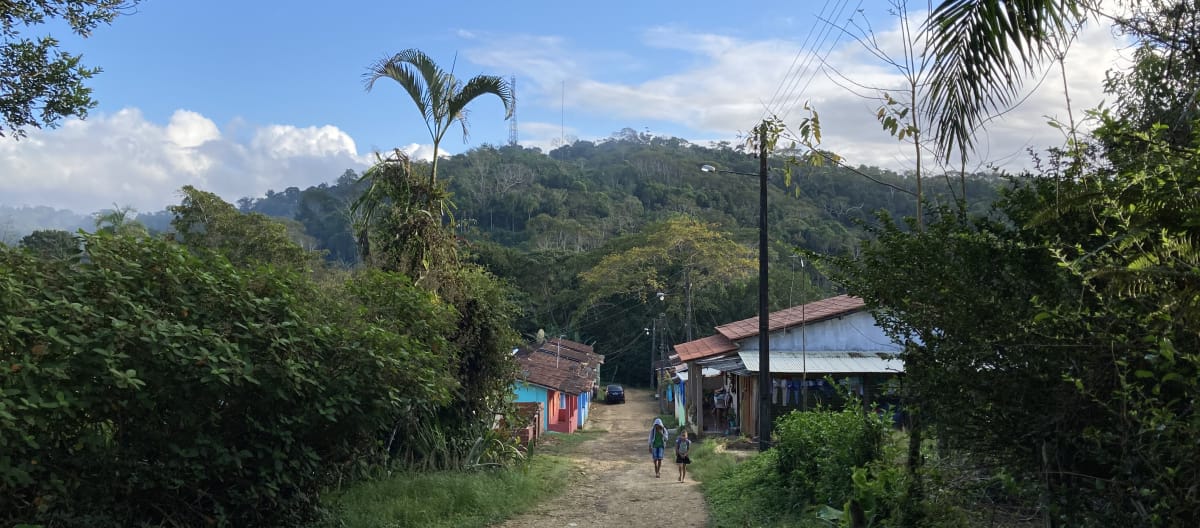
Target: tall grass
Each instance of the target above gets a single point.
(447, 498)
(710, 460)
(743, 490)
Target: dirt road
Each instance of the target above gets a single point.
(617, 488)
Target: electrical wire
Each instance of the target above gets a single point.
(783, 81)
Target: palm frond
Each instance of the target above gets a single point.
(476, 87)
(978, 51)
(416, 73)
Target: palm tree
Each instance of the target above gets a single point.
(979, 51)
(120, 221)
(441, 97)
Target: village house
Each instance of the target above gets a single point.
(561, 375)
(834, 338)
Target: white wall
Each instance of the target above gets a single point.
(851, 332)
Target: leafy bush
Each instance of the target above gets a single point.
(149, 386)
(819, 450)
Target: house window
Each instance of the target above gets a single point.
(562, 401)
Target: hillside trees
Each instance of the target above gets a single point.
(679, 255)
(202, 221)
(51, 244)
(539, 220)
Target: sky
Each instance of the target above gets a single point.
(241, 97)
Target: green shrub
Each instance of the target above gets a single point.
(819, 450)
(146, 385)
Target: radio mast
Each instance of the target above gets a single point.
(512, 121)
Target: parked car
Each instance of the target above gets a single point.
(614, 394)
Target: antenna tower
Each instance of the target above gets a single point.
(512, 122)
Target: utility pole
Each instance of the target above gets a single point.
(662, 348)
(764, 338)
(652, 333)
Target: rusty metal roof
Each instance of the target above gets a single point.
(705, 347)
(555, 373)
(789, 317)
(724, 341)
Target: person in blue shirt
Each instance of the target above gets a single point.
(658, 442)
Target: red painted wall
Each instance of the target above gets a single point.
(564, 412)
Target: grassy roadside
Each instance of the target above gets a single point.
(456, 498)
(739, 489)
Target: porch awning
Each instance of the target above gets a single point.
(708, 373)
(827, 362)
(731, 364)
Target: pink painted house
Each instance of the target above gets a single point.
(562, 385)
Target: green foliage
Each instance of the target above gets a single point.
(710, 460)
(401, 233)
(43, 84)
(203, 221)
(398, 219)
(483, 367)
(819, 450)
(1058, 340)
(198, 392)
(817, 465)
(51, 244)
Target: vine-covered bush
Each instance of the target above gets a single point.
(146, 385)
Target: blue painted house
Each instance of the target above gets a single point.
(561, 374)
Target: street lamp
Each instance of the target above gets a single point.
(764, 357)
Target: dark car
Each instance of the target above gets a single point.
(614, 394)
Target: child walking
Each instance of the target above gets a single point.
(658, 441)
(682, 447)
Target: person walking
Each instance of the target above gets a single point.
(683, 446)
(658, 442)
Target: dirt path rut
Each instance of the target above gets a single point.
(614, 484)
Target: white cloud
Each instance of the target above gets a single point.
(125, 159)
(727, 84)
(546, 136)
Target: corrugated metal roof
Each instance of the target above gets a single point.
(724, 363)
(708, 373)
(826, 362)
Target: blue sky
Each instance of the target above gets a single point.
(241, 97)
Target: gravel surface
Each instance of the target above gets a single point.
(614, 485)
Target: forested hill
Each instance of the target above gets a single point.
(541, 220)
(579, 196)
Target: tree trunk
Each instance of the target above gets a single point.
(914, 496)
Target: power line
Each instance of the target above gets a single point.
(812, 68)
(788, 73)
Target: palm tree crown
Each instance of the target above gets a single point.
(441, 97)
